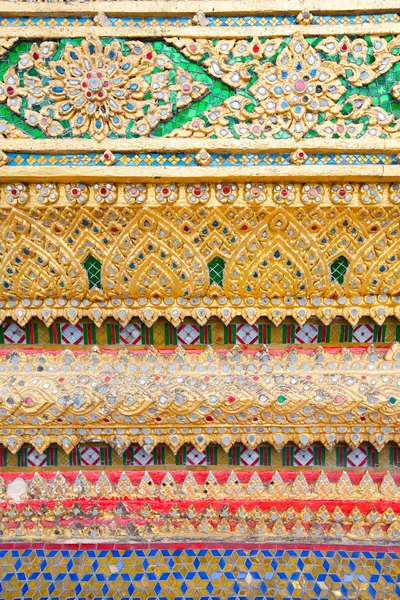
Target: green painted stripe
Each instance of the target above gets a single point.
(143, 333)
(265, 456)
(212, 455)
(58, 330)
(151, 333)
(323, 456)
(201, 334)
(184, 455)
(5, 456)
(284, 337)
(85, 333)
(166, 334)
(109, 327)
(269, 334)
(260, 333)
(209, 332)
(127, 455)
(1, 334)
(226, 334)
(397, 333)
(36, 333)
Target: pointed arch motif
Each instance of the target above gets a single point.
(376, 269)
(166, 266)
(37, 263)
(278, 259)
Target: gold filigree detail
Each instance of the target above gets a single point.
(317, 252)
(293, 397)
(296, 94)
(248, 505)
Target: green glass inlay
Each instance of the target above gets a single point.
(216, 270)
(281, 399)
(392, 400)
(339, 269)
(92, 267)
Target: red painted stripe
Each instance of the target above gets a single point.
(223, 351)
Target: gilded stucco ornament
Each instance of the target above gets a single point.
(259, 249)
(100, 88)
(174, 398)
(153, 504)
(298, 89)
(256, 88)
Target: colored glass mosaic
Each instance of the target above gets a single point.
(214, 20)
(347, 88)
(188, 573)
(187, 159)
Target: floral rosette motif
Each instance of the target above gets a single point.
(102, 89)
(297, 89)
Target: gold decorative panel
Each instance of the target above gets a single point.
(205, 250)
(151, 397)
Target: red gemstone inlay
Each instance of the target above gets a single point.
(231, 399)
(35, 55)
(209, 419)
(10, 90)
(344, 47)
(74, 192)
(256, 48)
(197, 191)
(226, 189)
(165, 191)
(342, 192)
(103, 191)
(284, 193)
(14, 191)
(149, 55)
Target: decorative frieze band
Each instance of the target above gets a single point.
(200, 398)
